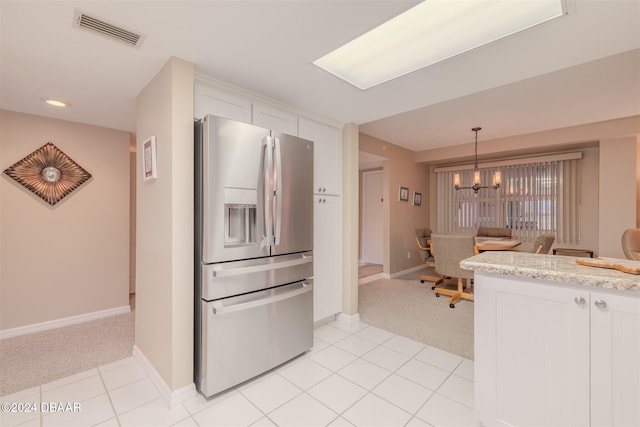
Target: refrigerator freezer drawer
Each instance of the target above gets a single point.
(238, 277)
(247, 335)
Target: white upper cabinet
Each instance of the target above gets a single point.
(327, 163)
(220, 103)
(277, 120)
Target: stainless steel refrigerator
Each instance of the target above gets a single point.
(253, 246)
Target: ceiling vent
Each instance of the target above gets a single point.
(83, 21)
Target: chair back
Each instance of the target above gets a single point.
(422, 237)
(631, 243)
(450, 249)
(543, 243)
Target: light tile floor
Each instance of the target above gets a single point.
(355, 375)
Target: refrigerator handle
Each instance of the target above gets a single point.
(277, 192)
(267, 169)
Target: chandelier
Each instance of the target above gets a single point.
(476, 174)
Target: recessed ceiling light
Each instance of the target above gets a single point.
(55, 103)
(431, 32)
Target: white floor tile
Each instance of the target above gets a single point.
(340, 422)
(349, 327)
(234, 411)
(330, 334)
(371, 410)
(270, 393)
(121, 375)
(111, 422)
(439, 358)
(386, 358)
(404, 345)
(92, 411)
(69, 379)
(403, 393)
(458, 389)
(77, 391)
(465, 370)
(356, 345)
(187, 422)
(355, 375)
(333, 358)
(374, 334)
(155, 413)
(318, 345)
(337, 393)
(442, 411)
(199, 402)
(29, 401)
(422, 373)
(133, 395)
(365, 374)
(305, 373)
(302, 411)
(417, 422)
(264, 422)
(117, 364)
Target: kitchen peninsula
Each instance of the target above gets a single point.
(556, 343)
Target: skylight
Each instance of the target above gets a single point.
(431, 32)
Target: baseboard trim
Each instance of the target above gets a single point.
(407, 271)
(373, 277)
(65, 321)
(171, 397)
(349, 319)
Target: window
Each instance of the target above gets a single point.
(538, 197)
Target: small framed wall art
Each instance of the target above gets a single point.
(417, 199)
(149, 162)
(403, 194)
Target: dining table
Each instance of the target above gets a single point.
(495, 243)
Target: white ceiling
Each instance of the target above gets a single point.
(583, 67)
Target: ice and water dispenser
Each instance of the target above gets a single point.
(240, 216)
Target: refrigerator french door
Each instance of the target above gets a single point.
(254, 251)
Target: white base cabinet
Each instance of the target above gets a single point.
(553, 354)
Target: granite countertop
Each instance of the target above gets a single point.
(551, 267)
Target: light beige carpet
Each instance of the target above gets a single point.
(30, 360)
(409, 308)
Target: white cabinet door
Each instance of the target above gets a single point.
(327, 257)
(531, 352)
(277, 120)
(220, 103)
(327, 155)
(615, 360)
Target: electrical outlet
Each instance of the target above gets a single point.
(408, 254)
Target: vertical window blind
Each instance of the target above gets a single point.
(534, 198)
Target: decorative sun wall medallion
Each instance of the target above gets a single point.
(48, 173)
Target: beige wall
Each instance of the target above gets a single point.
(73, 258)
(618, 189)
(401, 218)
(164, 239)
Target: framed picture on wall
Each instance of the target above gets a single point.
(403, 194)
(149, 164)
(417, 199)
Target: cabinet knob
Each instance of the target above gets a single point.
(579, 300)
(600, 303)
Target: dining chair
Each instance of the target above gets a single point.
(450, 249)
(543, 243)
(631, 243)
